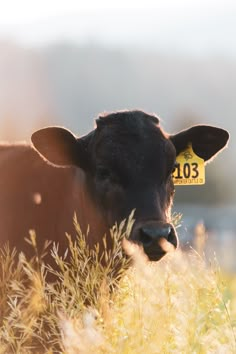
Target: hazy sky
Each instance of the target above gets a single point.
(198, 27)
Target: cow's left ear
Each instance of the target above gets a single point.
(206, 140)
(60, 147)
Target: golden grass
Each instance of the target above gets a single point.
(178, 305)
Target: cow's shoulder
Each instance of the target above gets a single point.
(21, 165)
(12, 152)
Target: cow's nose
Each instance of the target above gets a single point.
(150, 234)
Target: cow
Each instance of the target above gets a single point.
(125, 163)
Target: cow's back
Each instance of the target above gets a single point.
(35, 195)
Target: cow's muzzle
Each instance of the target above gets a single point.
(156, 238)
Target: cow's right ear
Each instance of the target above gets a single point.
(60, 147)
(206, 140)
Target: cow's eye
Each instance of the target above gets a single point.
(103, 173)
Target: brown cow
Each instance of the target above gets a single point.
(125, 163)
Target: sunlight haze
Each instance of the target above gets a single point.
(156, 24)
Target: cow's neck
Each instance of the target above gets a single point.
(87, 212)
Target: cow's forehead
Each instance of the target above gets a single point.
(131, 134)
(129, 127)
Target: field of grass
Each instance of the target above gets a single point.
(178, 305)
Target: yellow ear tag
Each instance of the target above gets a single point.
(190, 169)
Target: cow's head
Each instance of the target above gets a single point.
(128, 161)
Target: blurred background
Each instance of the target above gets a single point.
(63, 62)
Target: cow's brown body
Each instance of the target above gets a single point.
(38, 196)
(125, 163)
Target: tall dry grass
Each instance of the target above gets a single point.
(101, 304)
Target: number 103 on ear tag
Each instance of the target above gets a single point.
(190, 169)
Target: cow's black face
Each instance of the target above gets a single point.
(130, 168)
(128, 162)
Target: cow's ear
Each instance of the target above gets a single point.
(206, 140)
(59, 146)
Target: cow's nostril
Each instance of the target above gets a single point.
(149, 234)
(165, 231)
(172, 237)
(145, 238)
(157, 231)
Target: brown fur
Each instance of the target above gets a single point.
(125, 163)
(24, 178)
